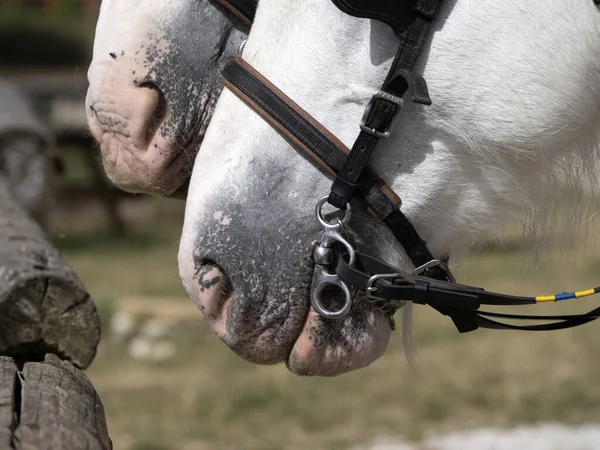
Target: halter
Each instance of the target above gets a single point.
(337, 263)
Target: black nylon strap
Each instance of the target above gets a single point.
(415, 247)
(466, 320)
(381, 115)
(401, 286)
(293, 120)
(296, 124)
(382, 111)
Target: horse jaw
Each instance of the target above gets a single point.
(153, 83)
(463, 165)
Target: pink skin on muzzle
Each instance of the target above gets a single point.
(126, 114)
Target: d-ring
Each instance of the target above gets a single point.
(241, 47)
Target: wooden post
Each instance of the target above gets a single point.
(44, 307)
(28, 152)
(8, 382)
(49, 405)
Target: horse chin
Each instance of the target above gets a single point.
(329, 348)
(159, 168)
(272, 330)
(319, 347)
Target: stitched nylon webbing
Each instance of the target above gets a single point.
(289, 118)
(384, 111)
(294, 122)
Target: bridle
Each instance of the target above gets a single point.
(337, 263)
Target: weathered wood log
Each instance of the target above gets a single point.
(8, 416)
(50, 405)
(44, 307)
(28, 153)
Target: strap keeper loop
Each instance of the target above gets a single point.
(341, 193)
(421, 292)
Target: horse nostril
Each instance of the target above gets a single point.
(160, 112)
(203, 267)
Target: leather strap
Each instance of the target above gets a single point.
(244, 10)
(327, 152)
(398, 14)
(387, 103)
(352, 175)
(460, 302)
(316, 142)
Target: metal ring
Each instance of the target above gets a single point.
(322, 311)
(327, 225)
(241, 47)
(351, 251)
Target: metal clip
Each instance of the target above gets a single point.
(323, 256)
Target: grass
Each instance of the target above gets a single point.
(208, 398)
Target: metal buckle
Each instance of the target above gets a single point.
(382, 276)
(363, 123)
(371, 289)
(433, 263)
(419, 270)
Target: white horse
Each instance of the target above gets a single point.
(516, 106)
(153, 82)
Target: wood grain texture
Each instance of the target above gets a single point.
(44, 307)
(8, 415)
(60, 409)
(50, 405)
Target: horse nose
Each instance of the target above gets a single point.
(132, 110)
(127, 114)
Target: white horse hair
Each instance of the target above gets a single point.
(514, 127)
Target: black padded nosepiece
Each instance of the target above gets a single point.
(396, 13)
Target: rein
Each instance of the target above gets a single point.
(336, 261)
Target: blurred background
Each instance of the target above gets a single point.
(167, 383)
